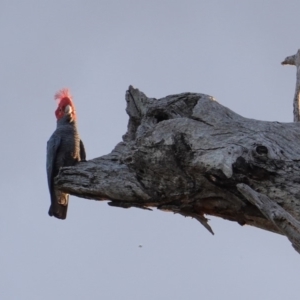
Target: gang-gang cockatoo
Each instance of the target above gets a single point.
(64, 148)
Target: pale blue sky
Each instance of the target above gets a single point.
(228, 49)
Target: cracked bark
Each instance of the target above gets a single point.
(190, 155)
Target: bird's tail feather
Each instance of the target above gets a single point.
(59, 205)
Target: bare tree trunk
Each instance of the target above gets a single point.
(190, 155)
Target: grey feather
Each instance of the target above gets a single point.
(52, 147)
(82, 151)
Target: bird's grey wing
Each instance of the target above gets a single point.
(82, 152)
(52, 148)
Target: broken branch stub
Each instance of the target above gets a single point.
(294, 60)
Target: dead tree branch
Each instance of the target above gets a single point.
(294, 60)
(188, 154)
(288, 225)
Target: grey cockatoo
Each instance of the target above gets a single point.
(64, 148)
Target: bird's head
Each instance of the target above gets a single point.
(65, 105)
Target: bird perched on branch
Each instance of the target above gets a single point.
(64, 148)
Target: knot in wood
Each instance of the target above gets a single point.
(262, 150)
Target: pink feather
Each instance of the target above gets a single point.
(63, 93)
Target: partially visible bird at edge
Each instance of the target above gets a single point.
(64, 148)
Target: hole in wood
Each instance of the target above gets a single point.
(161, 116)
(262, 150)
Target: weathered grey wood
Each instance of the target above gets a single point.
(186, 154)
(294, 60)
(288, 225)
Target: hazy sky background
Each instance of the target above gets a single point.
(228, 49)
